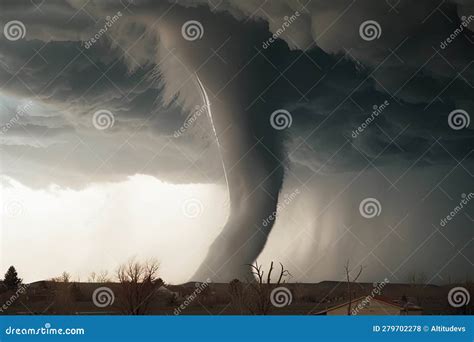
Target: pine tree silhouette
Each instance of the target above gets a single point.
(11, 280)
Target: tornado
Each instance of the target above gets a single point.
(229, 75)
(254, 182)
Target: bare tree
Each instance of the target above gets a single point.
(411, 278)
(349, 290)
(65, 277)
(103, 277)
(138, 283)
(417, 278)
(257, 298)
(237, 294)
(92, 277)
(63, 302)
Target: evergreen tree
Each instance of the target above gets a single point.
(11, 280)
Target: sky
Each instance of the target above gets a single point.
(109, 113)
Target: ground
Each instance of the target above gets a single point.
(48, 297)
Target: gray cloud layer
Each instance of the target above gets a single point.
(116, 74)
(98, 78)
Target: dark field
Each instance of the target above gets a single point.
(56, 298)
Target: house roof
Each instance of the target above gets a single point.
(406, 306)
(385, 300)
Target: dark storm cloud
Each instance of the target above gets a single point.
(330, 90)
(66, 84)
